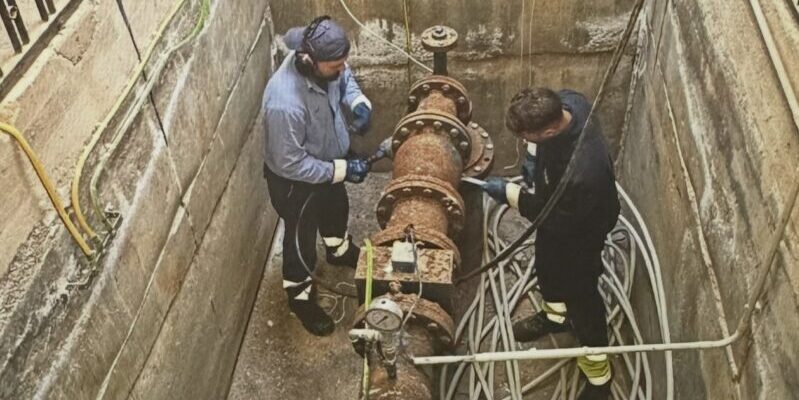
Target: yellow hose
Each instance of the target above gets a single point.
(48, 186)
(98, 132)
(370, 256)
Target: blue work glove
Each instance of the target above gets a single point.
(528, 169)
(529, 164)
(356, 170)
(362, 116)
(496, 188)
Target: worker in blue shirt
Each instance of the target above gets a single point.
(569, 241)
(306, 152)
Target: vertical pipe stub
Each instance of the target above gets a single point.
(439, 40)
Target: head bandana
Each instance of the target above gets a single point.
(327, 43)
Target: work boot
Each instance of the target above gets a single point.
(313, 318)
(533, 327)
(341, 252)
(595, 392)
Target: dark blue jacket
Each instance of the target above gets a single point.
(589, 207)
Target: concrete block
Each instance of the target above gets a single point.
(486, 28)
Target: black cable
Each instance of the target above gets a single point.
(567, 174)
(143, 73)
(314, 278)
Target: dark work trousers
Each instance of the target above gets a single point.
(568, 272)
(328, 213)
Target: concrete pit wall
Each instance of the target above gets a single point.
(165, 313)
(710, 155)
(504, 46)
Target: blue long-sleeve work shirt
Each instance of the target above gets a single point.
(304, 125)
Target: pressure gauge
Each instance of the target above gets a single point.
(384, 315)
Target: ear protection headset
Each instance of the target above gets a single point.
(305, 61)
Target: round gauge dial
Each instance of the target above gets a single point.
(384, 315)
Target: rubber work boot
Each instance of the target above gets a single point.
(341, 252)
(595, 392)
(532, 328)
(314, 319)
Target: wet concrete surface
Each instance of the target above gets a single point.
(279, 359)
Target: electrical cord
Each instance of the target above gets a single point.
(627, 248)
(52, 193)
(135, 43)
(314, 278)
(411, 237)
(567, 174)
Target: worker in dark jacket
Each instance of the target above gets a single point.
(570, 240)
(306, 152)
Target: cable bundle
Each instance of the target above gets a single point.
(486, 325)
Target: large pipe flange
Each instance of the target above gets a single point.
(449, 87)
(442, 123)
(410, 187)
(429, 238)
(482, 157)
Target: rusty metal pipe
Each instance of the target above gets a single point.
(414, 382)
(420, 212)
(429, 154)
(437, 101)
(434, 145)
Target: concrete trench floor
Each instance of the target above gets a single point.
(278, 358)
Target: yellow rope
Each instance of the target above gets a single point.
(48, 186)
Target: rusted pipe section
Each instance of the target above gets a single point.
(429, 154)
(434, 146)
(437, 101)
(411, 382)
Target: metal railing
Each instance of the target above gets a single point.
(29, 27)
(14, 21)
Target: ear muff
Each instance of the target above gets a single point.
(304, 64)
